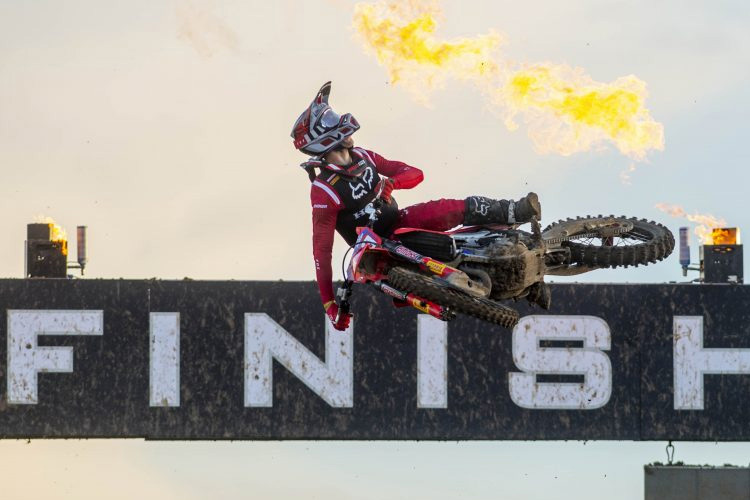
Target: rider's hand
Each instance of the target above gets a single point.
(343, 322)
(388, 186)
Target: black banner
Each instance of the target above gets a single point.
(254, 360)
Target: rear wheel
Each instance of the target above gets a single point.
(426, 287)
(600, 242)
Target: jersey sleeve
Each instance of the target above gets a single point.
(404, 176)
(325, 208)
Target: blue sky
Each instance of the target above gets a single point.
(111, 116)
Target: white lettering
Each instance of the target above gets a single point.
(589, 361)
(164, 359)
(26, 359)
(265, 341)
(432, 362)
(692, 361)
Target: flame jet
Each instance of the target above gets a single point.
(401, 35)
(565, 110)
(705, 223)
(57, 233)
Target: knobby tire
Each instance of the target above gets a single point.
(426, 287)
(659, 243)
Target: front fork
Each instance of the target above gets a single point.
(424, 305)
(453, 277)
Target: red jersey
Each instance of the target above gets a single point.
(337, 204)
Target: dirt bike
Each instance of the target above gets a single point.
(469, 269)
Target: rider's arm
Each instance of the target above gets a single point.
(403, 176)
(325, 208)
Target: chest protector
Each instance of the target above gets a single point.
(357, 194)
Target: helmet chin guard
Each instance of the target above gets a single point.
(319, 129)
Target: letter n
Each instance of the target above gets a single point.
(265, 341)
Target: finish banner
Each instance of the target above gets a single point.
(257, 360)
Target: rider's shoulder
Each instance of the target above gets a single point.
(365, 153)
(322, 192)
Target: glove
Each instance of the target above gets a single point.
(343, 323)
(388, 186)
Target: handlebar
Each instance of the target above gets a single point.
(377, 205)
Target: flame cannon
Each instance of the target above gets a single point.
(47, 251)
(720, 257)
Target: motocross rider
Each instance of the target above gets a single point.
(342, 192)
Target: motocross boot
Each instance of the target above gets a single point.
(539, 294)
(528, 207)
(480, 210)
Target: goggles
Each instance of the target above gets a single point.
(346, 124)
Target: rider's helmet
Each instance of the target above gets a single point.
(319, 129)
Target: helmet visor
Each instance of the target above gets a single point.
(329, 119)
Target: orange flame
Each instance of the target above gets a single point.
(705, 222)
(566, 111)
(573, 113)
(401, 36)
(725, 236)
(57, 233)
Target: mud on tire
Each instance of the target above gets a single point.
(647, 242)
(426, 287)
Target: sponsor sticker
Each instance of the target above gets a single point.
(409, 254)
(392, 292)
(422, 306)
(436, 267)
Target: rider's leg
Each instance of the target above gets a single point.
(481, 210)
(444, 214)
(438, 215)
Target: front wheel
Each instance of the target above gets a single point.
(600, 242)
(426, 287)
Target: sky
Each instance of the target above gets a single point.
(164, 127)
